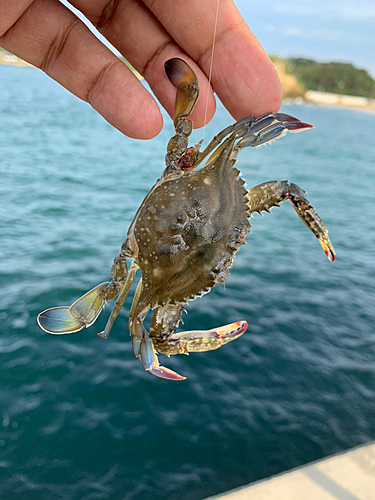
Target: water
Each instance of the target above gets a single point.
(80, 418)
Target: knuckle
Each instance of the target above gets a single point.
(57, 45)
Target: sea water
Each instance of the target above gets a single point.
(80, 418)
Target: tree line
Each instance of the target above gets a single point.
(335, 77)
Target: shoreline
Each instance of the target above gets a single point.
(340, 100)
(313, 97)
(11, 60)
(368, 108)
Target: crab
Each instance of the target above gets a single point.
(186, 233)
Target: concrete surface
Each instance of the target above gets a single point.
(348, 476)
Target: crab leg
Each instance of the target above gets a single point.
(119, 302)
(64, 320)
(250, 132)
(186, 83)
(270, 194)
(238, 129)
(145, 352)
(85, 310)
(142, 344)
(183, 78)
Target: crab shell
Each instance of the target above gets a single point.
(187, 232)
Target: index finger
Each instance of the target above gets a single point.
(49, 36)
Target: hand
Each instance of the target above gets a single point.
(48, 35)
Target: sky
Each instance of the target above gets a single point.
(324, 30)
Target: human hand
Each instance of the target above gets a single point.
(48, 35)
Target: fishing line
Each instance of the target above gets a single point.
(211, 64)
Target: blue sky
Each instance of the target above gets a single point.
(325, 30)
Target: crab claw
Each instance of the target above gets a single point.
(144, 350)
(215, 338)
(201, 340)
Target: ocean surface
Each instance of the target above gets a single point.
(80, 418)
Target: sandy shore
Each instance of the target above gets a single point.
(295, 93)
(339, 103)
(11, 60)
(340, 100)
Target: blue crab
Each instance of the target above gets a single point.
(186, 233)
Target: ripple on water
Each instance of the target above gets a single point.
(81, 419)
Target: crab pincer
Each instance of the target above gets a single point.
(186, 232)
(201, 340)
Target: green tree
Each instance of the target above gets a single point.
(336, 77)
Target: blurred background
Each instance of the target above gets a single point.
(80, 418)
(333, 30)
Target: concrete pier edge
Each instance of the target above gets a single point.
(349, 475)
